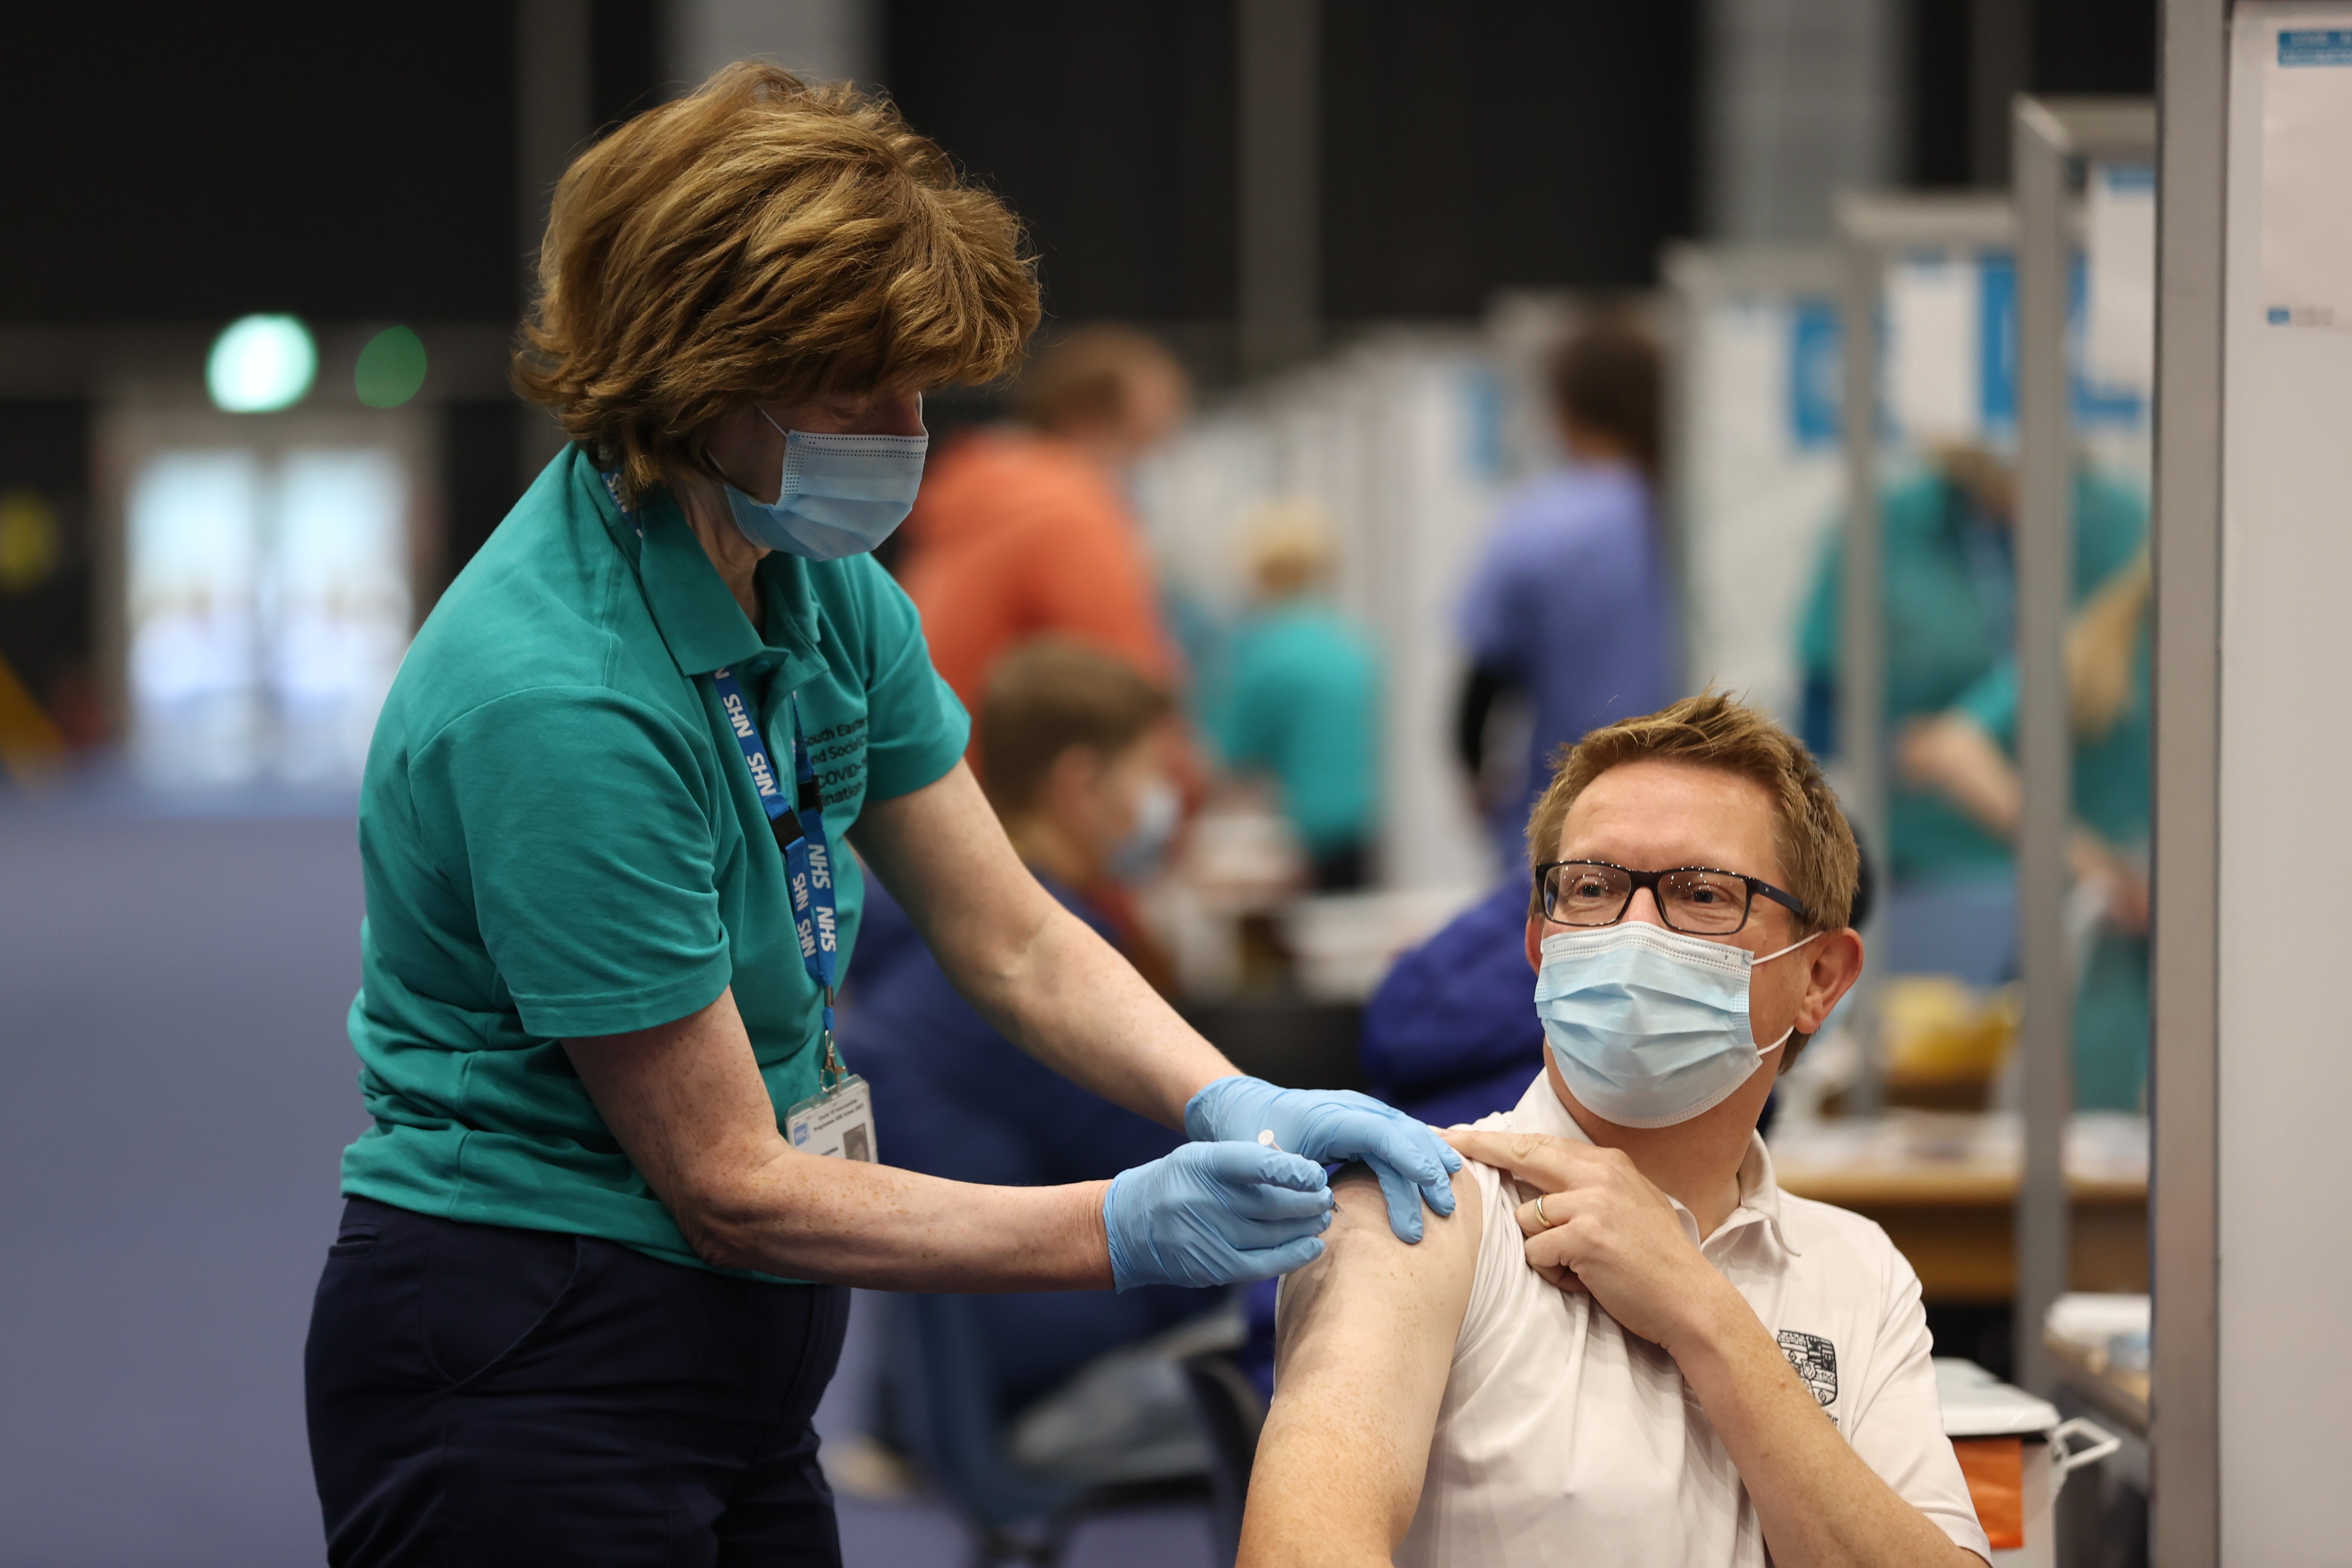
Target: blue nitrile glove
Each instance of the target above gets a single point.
(1216, 1214)
(1331, 1125)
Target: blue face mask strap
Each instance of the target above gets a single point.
(798, 822)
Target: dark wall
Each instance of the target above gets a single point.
(1464, 147)
(2074, 47)
(1108, 128)
(1478, 145)
(177, 162)
(189, 162)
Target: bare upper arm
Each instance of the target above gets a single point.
(687, 1103)
(1363, 1343)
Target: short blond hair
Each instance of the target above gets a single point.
(1810, 831)
(762, 240)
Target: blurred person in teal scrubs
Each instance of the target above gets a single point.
(1965, 754)
(1951, 591)
(1302, 698)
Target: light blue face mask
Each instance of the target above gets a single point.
(1156, 816)
(1650, 1027)
(840, 495)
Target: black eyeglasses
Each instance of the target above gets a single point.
(1696, 899)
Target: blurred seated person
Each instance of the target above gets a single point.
(1302, 701)
(1448, 1036)
(1025, 530)
(1074, 773)
(1965, 755)
(1571, 607)
(1951, 590)
(1628, 1345)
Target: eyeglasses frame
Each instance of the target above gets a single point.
(1650, 879)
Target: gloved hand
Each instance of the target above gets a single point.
(1329, 1126)
(1216, 1214)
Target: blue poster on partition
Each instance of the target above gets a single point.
(2314, 46)
(1997, 351)
(1816, 374)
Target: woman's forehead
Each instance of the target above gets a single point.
(1653, 815)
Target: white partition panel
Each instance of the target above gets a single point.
(2285, 1047)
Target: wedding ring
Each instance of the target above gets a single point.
(1540, 1218)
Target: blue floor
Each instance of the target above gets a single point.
(175, 1089)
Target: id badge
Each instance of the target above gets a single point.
(837, 1124)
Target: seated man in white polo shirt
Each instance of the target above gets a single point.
(1657, 1357)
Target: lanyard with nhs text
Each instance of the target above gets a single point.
(798, 822)
(839, 1120)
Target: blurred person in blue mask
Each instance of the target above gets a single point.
(591, 1278)
(1570, 609)
(1076, 773)
(1302, 698)
(1965, 755)
(1952, 593)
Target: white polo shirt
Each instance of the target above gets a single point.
(1563, 1438)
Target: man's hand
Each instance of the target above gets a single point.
(1607, 1231)
(1602, 1228)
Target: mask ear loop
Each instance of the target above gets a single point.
(1763, 1051)
(1791, 948)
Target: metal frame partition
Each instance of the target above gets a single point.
(1697, 277)
(2184, 1402)
(2051, 135)
(1873, 228)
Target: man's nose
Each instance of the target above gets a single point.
(1644, 908)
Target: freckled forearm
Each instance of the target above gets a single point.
(850, 1223)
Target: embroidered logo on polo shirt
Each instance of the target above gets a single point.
(1815, 1360)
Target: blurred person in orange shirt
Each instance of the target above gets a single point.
(1024, 530)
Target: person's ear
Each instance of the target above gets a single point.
(1835, 965)
(1535, 942)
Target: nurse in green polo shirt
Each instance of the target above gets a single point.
(590, 1282)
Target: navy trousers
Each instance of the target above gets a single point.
(484, 1395)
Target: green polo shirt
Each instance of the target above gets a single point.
(561, 838)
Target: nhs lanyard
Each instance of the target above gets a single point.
(798, 827)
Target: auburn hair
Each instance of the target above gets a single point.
(762, 240)
(1810, 831)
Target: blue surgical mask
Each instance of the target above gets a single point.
(840, 495)
(1650, 1027)
(1156, 816)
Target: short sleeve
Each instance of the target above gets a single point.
(1897, 1425)
(1991, 701)
(1817, 634)
(2110, 528)
(578, 823)
(916, 729)
(1493, 618)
